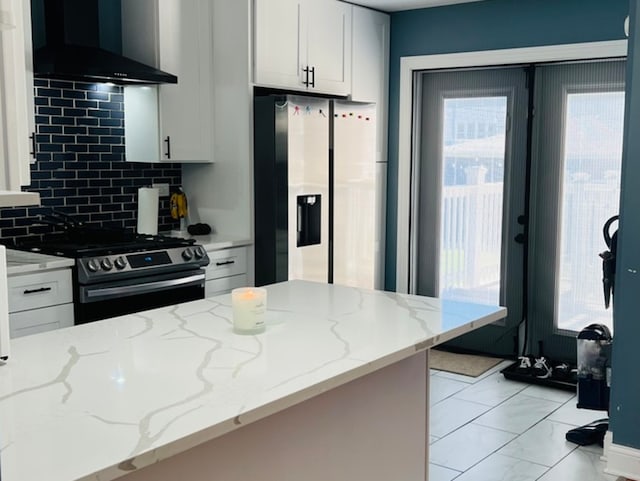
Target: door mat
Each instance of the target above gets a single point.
(465, 364)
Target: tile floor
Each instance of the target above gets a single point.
(492, 429)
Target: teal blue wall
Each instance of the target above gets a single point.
(625, 388)
(487, 25)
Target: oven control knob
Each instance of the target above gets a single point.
(106, 264)
(120, 263)
(199, 252)
(93, 265)
(187, 254)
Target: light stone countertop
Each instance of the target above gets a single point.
(95, 401)
(24, 262)
(212, 242)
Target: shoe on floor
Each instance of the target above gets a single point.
(542, 368)
(592, 433)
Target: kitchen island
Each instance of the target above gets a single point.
(336, 388)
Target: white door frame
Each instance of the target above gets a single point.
(407, 158)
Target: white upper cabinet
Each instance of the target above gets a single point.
(303, 45)
(17, 117)
(174, 36)
(370, 74)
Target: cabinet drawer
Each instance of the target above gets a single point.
(41, 289)
(224, 285)
(227, 262)
(40, 320)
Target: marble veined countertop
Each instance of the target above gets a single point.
(23, 262)
(212, 242)
(96, 401)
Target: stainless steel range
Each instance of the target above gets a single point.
(139, 271)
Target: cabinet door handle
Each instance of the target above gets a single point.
(168, 142)
(35, 291)
(306, 76)
(313, 77)
(33, 145)
(225, 263)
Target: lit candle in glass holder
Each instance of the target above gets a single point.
(249, 308)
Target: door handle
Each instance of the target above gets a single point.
(225, 263)
(33, 145)
(35, 291)
(168, 142)
(306, 76)
(313, 77)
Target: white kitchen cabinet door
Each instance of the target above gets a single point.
(370, 61)
(327, 27)
(224, 285)
(370, 68)
(185, 108)
(25, 323)
(17, 116)
(176, 37)
(303, 45)
(277, 41)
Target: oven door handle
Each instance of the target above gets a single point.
(131, 290)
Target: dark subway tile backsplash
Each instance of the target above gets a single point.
(80, 168)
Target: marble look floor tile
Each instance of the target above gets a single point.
(544, 444)
(456, 377)
(517, 414)
(594, 448)
(568, 413)
(491, 390)
(441, 388)
(549, 393)
(579, 465)
(467, 446)
(450, 414)
(498, 467)
(438, 473)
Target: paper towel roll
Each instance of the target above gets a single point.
(148, 210)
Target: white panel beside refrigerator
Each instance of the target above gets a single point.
(323, 154)
(4, 306)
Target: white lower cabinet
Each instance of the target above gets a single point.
(40, 301)
(227, 270)
(40, 320)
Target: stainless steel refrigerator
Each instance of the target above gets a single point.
(317, 191)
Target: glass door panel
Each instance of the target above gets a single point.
(590, 195)
(473, 159)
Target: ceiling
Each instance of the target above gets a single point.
(397, 5)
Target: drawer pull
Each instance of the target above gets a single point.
(35, 291)
(225, 263)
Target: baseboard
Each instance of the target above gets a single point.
(623, 461)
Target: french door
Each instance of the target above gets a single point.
(473, 151)
(478, 131)
(577, 161)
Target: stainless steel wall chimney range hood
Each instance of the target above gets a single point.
(72, 49)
